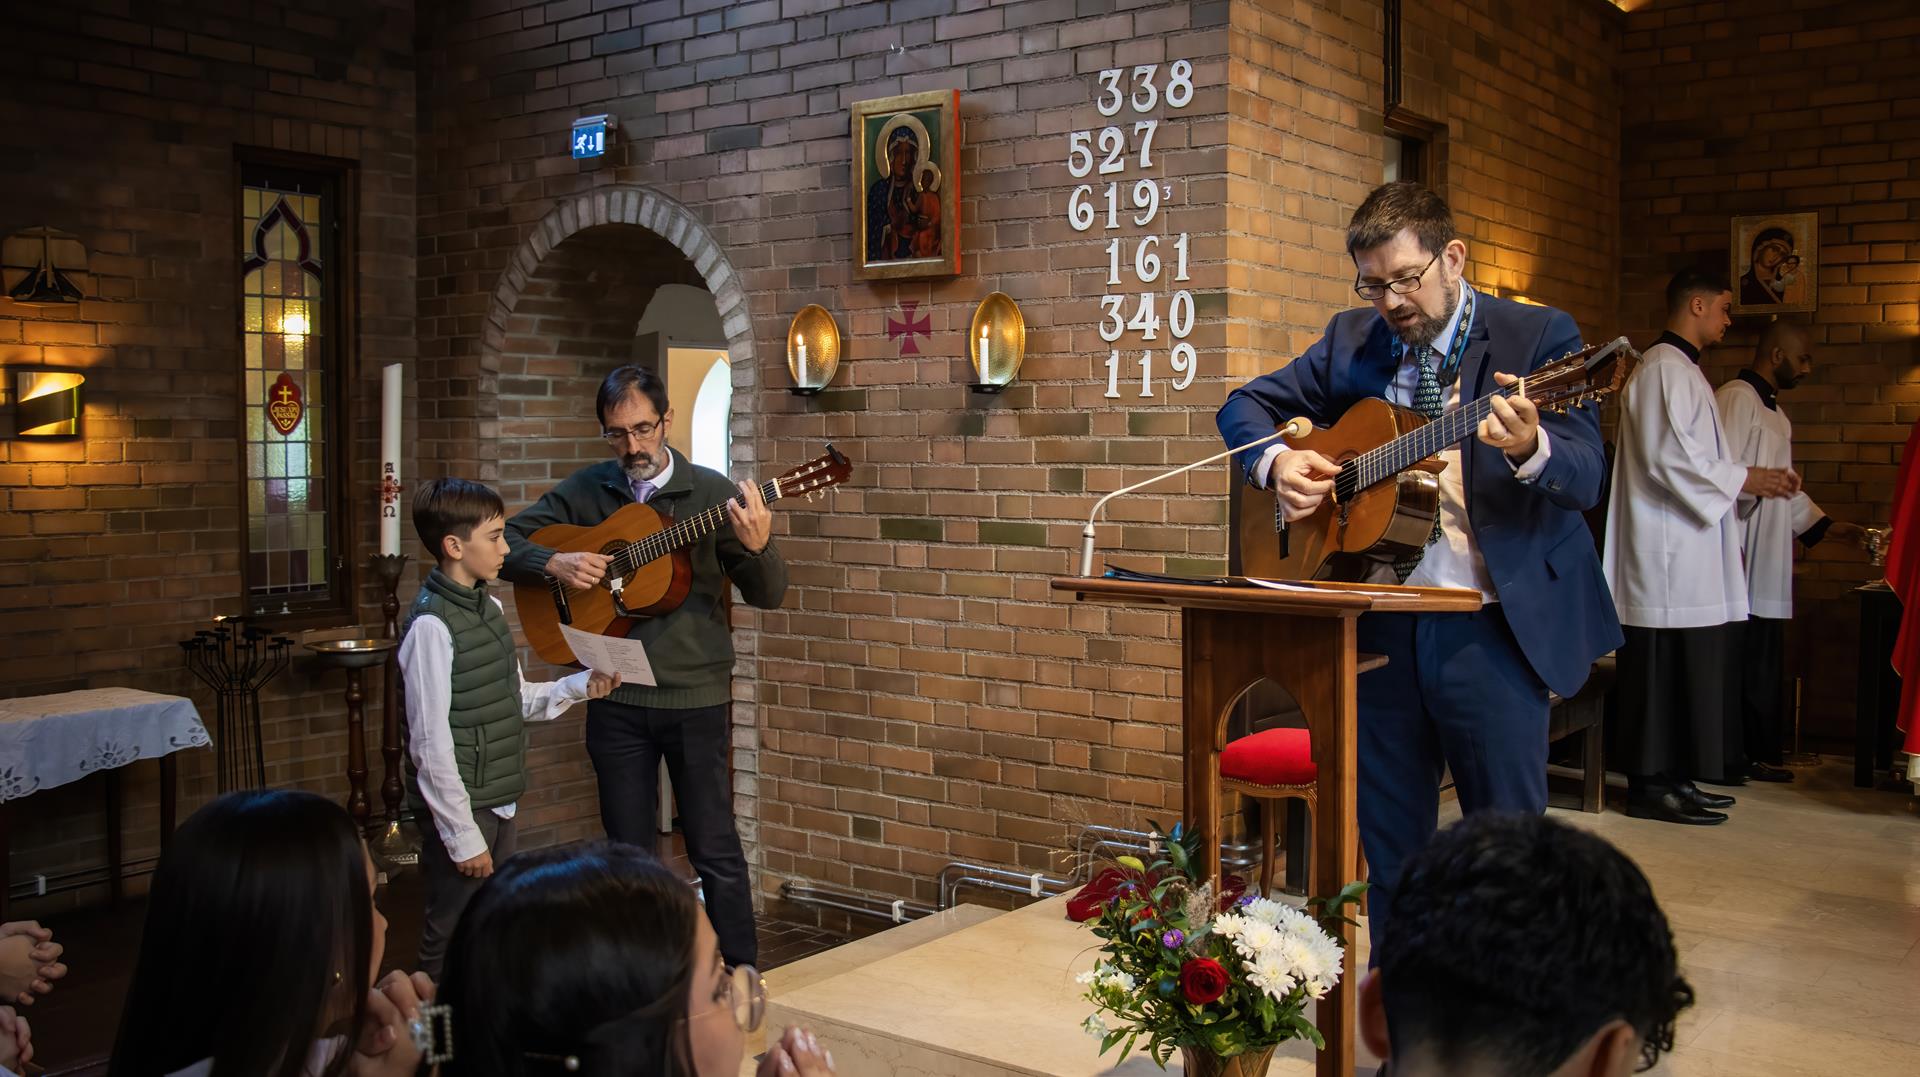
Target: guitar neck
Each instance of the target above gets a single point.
(683, 534)
(1384, 462)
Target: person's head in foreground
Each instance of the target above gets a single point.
(1522, 947)
(595, 958)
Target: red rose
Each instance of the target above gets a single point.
(1202, 980)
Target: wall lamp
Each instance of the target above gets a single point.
(997, 342)
(813, 350)
(46, 403)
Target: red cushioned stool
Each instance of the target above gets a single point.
(1271, 766)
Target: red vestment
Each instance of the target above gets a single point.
(1903, 575)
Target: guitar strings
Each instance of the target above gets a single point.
(1384, 461)
(661, 543)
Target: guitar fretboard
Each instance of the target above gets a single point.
(685, 533)
(1385, 461)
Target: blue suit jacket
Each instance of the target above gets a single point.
(1537, 548)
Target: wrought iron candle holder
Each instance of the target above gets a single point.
(395, 847)
(235, 661)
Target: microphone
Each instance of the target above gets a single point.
(1292, 428)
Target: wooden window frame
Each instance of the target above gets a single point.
(340, 355)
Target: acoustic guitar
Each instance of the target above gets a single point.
(649, 572)
(1387, 493)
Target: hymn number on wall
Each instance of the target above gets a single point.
(1134, 303)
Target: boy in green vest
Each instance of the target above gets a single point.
(467, 705)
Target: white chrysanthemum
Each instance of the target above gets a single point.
(1271, 974)
(1094, 1026)
(1229, 925)
(1255, 938)
(1324, 965)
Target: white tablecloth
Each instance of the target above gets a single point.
(52, 740)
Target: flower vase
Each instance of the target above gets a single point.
(1200, 1062)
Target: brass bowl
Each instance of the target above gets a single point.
(352, 653)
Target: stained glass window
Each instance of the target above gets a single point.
(287, 286)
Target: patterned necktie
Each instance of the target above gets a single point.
(642, 491)
(1428, 399)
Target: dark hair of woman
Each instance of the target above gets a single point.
(583, 950)
(257, 941)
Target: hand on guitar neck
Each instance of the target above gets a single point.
(752, 524)
(1301, 479)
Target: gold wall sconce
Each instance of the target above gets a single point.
(997, 342)
(813, 350)
(46, 403)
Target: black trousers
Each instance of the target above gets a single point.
(1677, 699)
(1762, 703)
(448, 891)
(626, 744)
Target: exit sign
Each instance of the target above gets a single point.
(591, 134)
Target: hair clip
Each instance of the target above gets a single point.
(432, 1033)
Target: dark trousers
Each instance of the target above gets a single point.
(626, 744)
(1456, 692)
(1763, 654)
(448, 891)
(1676, 697)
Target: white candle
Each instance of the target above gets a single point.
(390, 459)
(802, 365)
(985, 374)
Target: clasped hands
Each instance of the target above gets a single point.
(1301, 479)
(752, 524)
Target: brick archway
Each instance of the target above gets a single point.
(603, 214)
(638, 207)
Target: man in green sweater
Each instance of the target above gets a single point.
(685, 717)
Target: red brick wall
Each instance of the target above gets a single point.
(122, 131)
(1782, 107)
(1529, 96)
(922, 697)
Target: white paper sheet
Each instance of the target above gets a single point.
(1282, 585)
(611, 654)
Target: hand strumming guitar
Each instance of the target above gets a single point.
(1301, 479)
(752, 523)
(578, 570)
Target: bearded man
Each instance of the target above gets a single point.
(1462, 691)
(685, 718)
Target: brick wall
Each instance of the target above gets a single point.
(1782, 107)
(922, 697)
(121, 129)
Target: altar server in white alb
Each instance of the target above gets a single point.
(1672, 558)
(1760, 435)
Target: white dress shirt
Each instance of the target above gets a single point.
(426, 662)
(1452, 560)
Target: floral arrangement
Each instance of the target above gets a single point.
(1188, 967)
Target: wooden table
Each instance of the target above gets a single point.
(51, 740)
(1304, 641)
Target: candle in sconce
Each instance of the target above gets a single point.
(802, 345)
(390, 460)
(984, 367)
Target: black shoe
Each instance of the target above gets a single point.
(1672, 807)
(1701, 797)
(1737, 779)
(1766, 772)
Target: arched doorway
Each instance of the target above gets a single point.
(616, 276)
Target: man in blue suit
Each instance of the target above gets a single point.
(1467, 691)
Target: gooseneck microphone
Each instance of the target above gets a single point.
(1293, 428)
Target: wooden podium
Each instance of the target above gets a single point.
(1302, 640)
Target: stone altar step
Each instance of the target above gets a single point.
(995, 999)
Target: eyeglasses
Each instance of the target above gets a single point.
(638, 432)
(746, 996)
(1403, 285)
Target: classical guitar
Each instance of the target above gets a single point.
(649, 573)
(1387, 493)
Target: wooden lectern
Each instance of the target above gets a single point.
(1302, 640)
